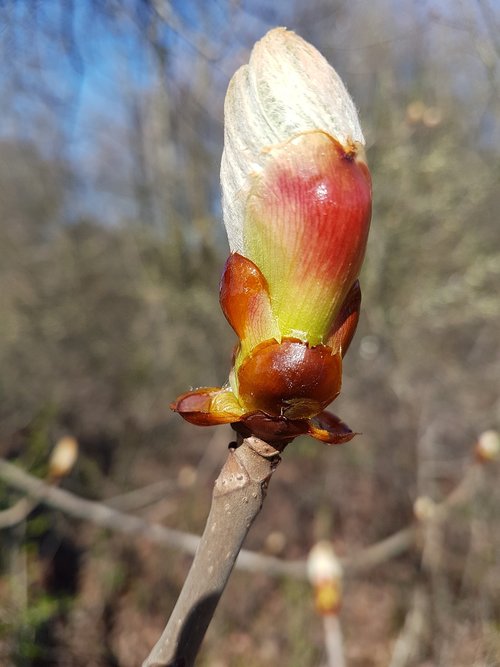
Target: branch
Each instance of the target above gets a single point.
(237, 499)
(112, 519)
(97, 512)
(415, 627)
(17, 513)
(115, 520)
(333, 641)
(141, 497)
(381, 552)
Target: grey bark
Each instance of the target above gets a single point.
(238, 495)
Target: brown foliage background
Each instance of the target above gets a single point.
(111, 247)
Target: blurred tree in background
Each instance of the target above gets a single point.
(111, 250)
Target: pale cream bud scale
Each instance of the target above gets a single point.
(287, 88)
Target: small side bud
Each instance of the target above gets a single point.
(424, 509)
(488, 447)
(63, 457)
(325, 574)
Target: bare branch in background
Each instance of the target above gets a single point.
(17, 513)
(101, 514)
(409, 641)
(97, 513)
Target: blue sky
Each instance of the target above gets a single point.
(69, 80)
